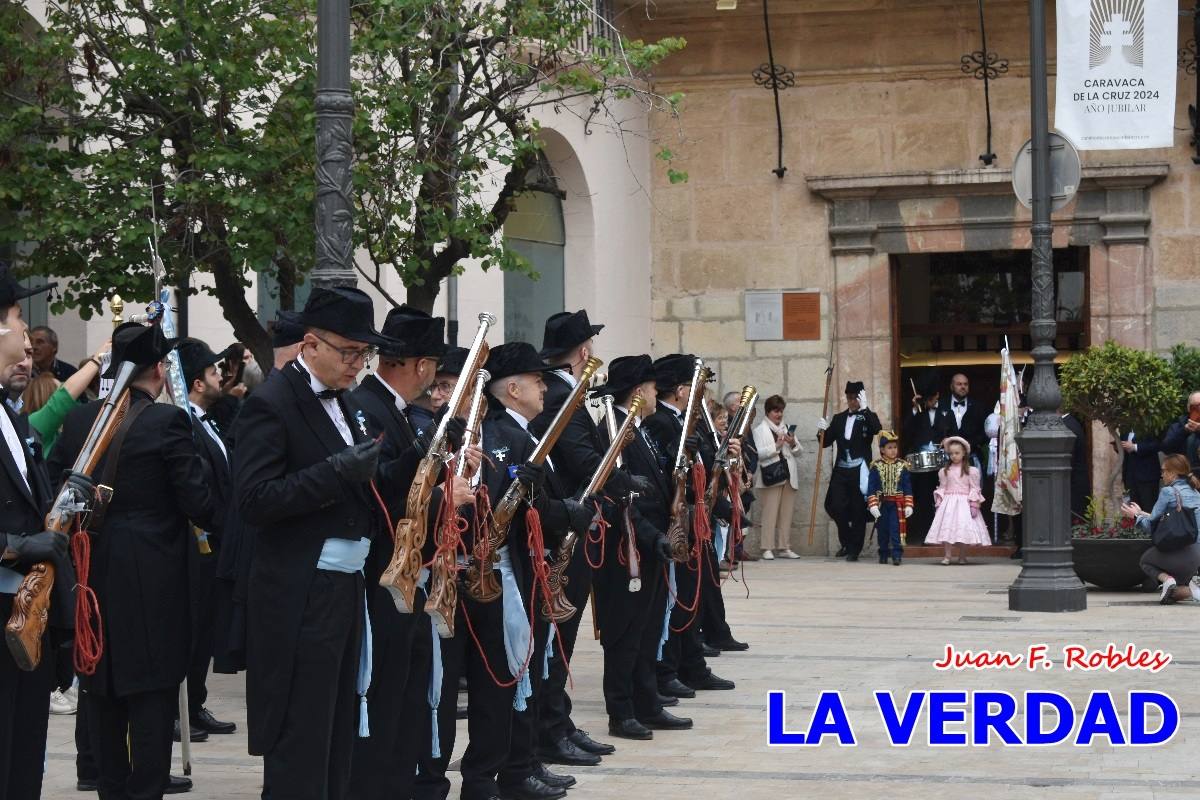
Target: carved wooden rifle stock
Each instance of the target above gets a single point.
(677, 528)
(629, 533)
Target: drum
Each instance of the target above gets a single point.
(927, 460)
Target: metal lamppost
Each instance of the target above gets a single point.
(335, 148)
(1047, 581)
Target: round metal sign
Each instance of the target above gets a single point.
(1065, 172)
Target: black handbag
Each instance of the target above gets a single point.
(1175, 529)
(776, 473)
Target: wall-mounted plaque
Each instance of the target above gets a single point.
(782, 315)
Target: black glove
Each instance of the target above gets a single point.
(357, 463)
(692, 443)
(723, 510)
(455, 430)
(662, 549)
(84, 486)
(533, 476)
(44, 546)
(641, 484)
(580, 515)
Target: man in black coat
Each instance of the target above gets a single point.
(25, 496)
(303, 469)
(203, 379)
(967, 416)
(631, 621)
(852, 431)
(385, 763)
(682, 668)
(517, 391)
(1141, 468)
(139, 568)
(1183, 436)
(927, 426)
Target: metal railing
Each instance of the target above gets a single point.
(594, 19)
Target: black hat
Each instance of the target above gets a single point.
(453, 361)
(195, 357)
(626, 373)
(854, 387)
(673, 370)
(514, 358)
(11, 291)
(413, 334)
(286, 330)
(565, 331)
(930, 385)
(143, 345)
(345, 311)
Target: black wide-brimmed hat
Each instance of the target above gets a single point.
(453, 361)
(143, 345)
(413, 334)
(343, 310)
(286, 330)
(514, 358)
(195, 357)
(626, 373)
(854, 387)
(565, 331)
(673, 370)
(11, 291)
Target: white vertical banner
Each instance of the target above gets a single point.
(1115, 87)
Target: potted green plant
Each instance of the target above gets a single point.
(1107, 550)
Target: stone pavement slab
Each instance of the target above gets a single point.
(820, 624)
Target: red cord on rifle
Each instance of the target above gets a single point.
(89, 630)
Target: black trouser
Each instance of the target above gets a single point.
(630, 627)
(311, 758)
(24, 716)
(845, 504)
(555, 708)
(522, 759)
(202, 581)
(714, 626)
(385, 762)
(85, 762)
(489, 720)
(683, 654)
(137, 768)
(923, 485)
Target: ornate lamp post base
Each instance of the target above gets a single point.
(1047, 581)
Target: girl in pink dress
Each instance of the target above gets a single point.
(957, 499)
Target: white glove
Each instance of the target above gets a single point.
(875, 512)
(822, 424)
(862, 400)
(908, 512)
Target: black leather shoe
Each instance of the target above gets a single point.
(197, 735)
(676, 688)
(629, 729)
(532, 788)
(840, 553)
(711, 681)
(177, 785)
(664, 700)
(896, 561)
(205, 721)
(883, 559)
(87, 785)
(564, 751)
(552, 778)
(708, 651)
(852, 557)
(589, 745)
(666, 721)
(731, 644)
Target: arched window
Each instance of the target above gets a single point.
(534, 230)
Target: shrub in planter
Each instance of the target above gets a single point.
(1107, 553)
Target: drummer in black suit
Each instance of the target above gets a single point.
(631, 621)
(303, 468)
(385, 763)
(853, 431)
(927, 426)
(139, 568)
(203, 379)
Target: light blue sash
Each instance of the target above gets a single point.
(666, 626)
(10, 580)
(516, 629)
(721, 536)
(434, 692)
(349, 556)
(551, 634)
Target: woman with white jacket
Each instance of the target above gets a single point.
(775, 443)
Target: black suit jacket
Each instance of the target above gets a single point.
(1143, 465)
(862, 435)
(140, 552)
(920, 432)
(289, 491)
(580, 449)
(971, 427)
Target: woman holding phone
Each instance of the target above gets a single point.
(777, 479)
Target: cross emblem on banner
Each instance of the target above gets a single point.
(1116, 32)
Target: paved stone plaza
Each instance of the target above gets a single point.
(821, 624)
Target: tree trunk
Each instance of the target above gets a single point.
(1112, 506)
(231, 294)
(423, 297)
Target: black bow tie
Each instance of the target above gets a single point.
(958, 403)
(330, 394)
(212, 422)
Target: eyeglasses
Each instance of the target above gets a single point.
(351, 355)
(445, 387)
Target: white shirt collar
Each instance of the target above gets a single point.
(396, 398)
(678, 413)
(566, 375)
(197, 410)
(637, 421)
(524, 423)
(316, 385)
